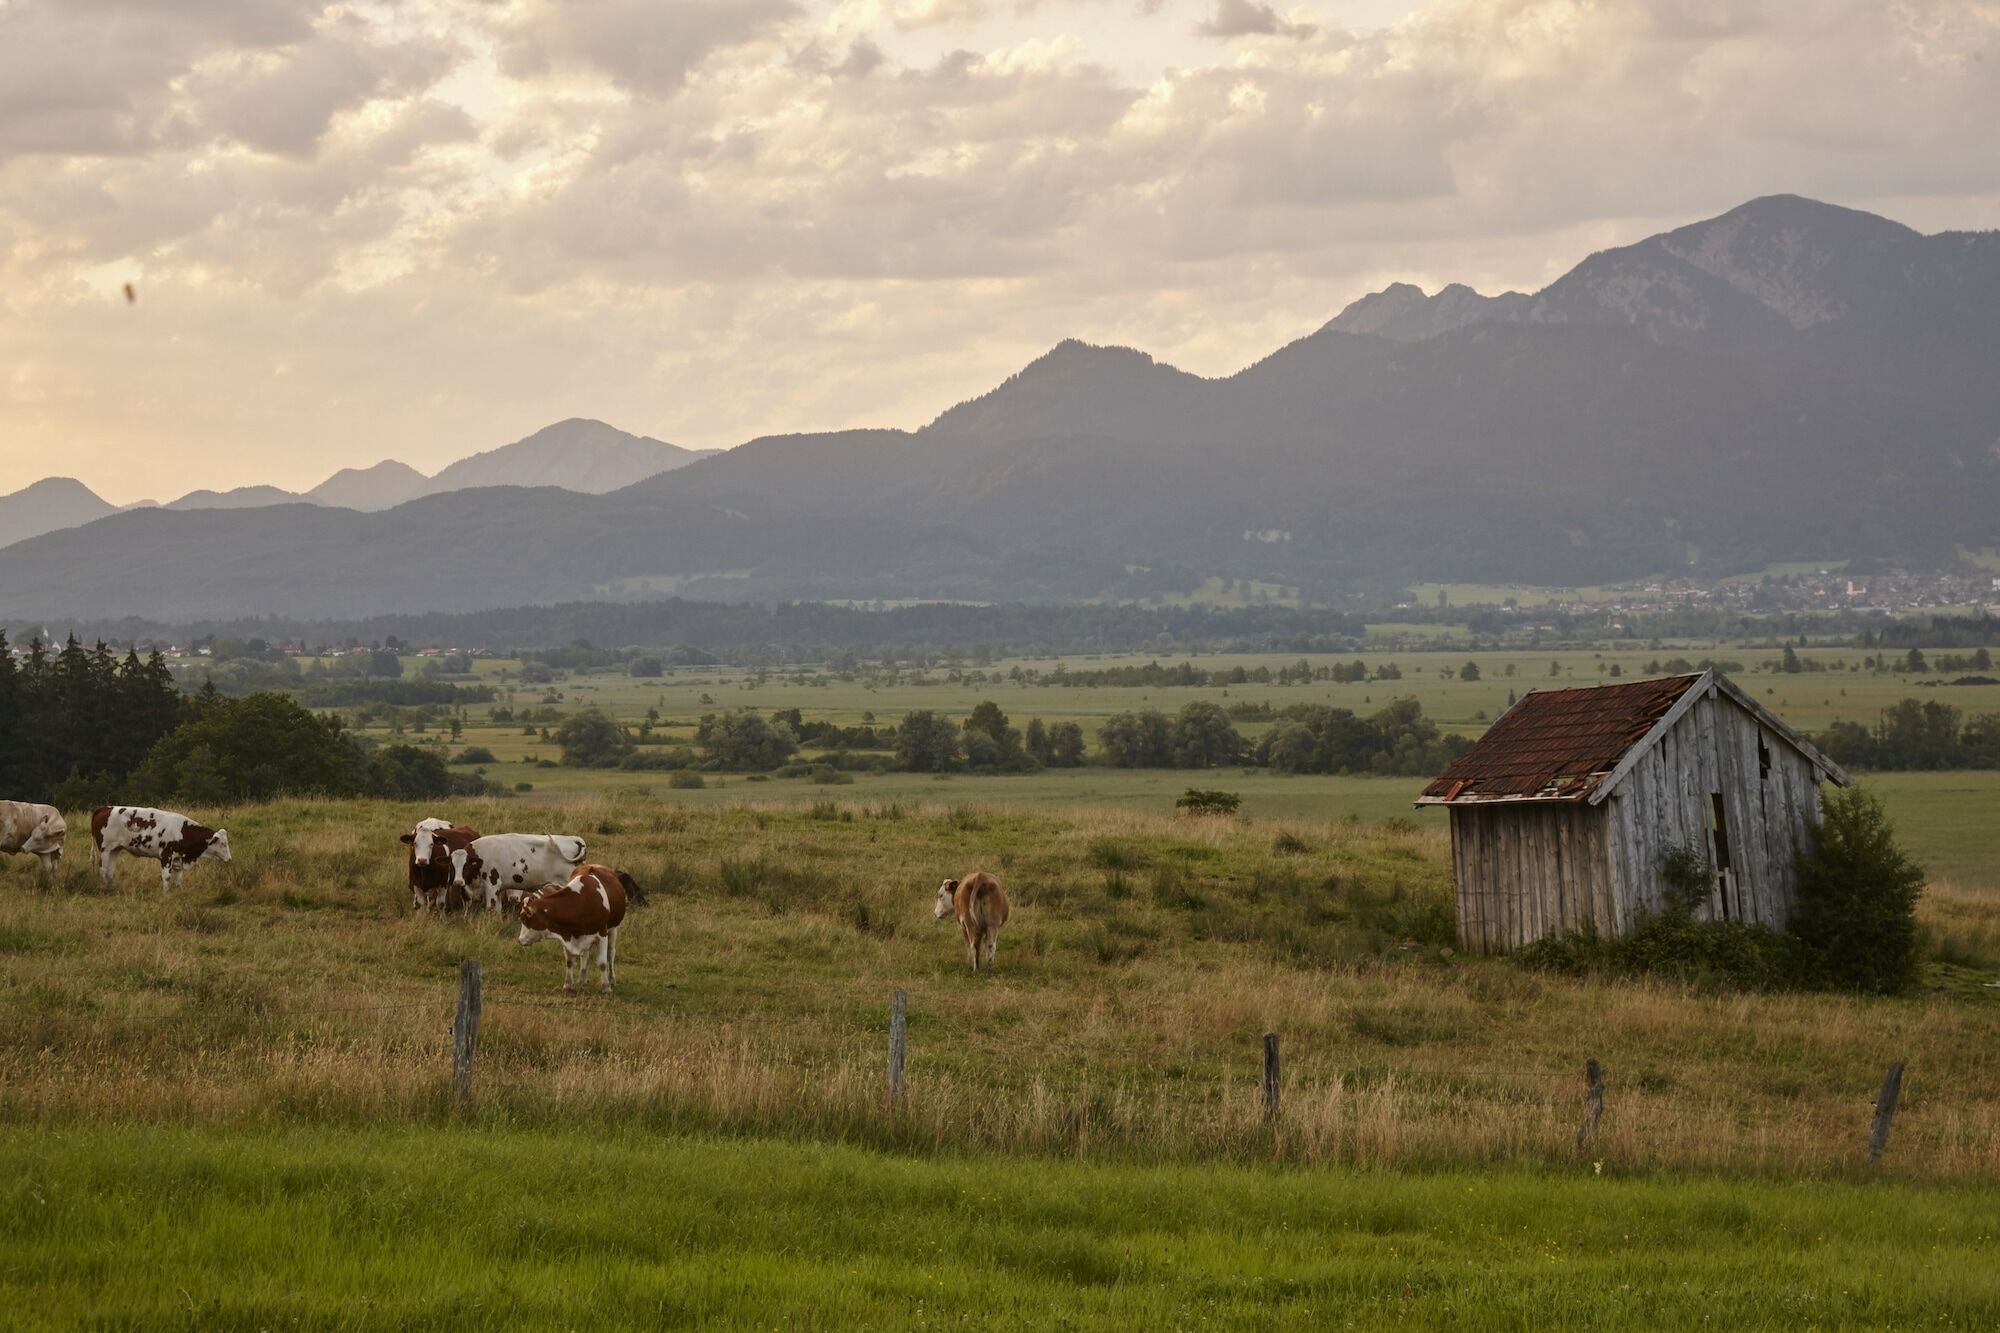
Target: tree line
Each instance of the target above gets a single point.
(1915, 734)
(1152, 674)
(749, 633)
(1397, 741)
(81, 727)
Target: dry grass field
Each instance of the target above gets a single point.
(1146, 958)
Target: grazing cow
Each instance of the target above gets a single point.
(581, 912)
(485, 866)
(175, 841)
(431, 844)
(980, 905)
(35, 829)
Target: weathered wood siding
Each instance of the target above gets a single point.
(1525, 869)
(1529, 869)
(1770, 807)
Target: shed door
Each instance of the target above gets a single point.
(1718, 825)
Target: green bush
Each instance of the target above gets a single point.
(1856, 909)
(475, 754)
(1733, 955)
(685, 780)
(252, 749)
(1197, 802)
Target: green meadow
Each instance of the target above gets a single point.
(435, 1227)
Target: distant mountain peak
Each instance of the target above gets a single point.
(576, 454)
(47, 505)
(383, 486)
(1074, 386)
(1075, 353)
(1401, 311)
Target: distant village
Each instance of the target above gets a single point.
(1887, 592)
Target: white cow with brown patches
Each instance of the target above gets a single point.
(174, 840)
(36, 830)
(499, 863)
(581, 913)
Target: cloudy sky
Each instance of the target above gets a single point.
(420, 229)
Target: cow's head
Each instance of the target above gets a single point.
(465, 867)
(423, 840)
(46, 836)
(217, 849)
(534, 914)
(947, 900)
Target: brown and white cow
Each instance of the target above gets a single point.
(431, 844)
(174, 840)
(487, 866)
(35, 829)
(980, 905)
(583, 911)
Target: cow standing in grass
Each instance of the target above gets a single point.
(174, 840)
(980, 905)
(35, 829)
(431, 844)
(488, 867)
(583, 911)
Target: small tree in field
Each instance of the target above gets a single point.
(592, 739)
(926, 742)
(1198, 802)
(1857, 900)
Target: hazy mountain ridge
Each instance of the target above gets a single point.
(578, 454)
(1786, 381)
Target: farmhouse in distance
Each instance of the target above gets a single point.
(1564, 815)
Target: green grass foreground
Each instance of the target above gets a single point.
(435, 1227)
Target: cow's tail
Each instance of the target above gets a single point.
(582, 848)
(98, 819)
(633, 893)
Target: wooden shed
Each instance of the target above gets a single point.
(1564, 812)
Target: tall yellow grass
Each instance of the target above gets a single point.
(294, 984)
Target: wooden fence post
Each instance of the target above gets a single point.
(465, 1033)
(1593, 1104)
(899, 1033)
(1885, 1111)
(1270, 1078)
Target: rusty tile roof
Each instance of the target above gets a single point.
(1558, 744)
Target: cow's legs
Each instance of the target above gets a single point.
(972, 946)
(992, 944)
(51, 862)
(607, 958)
(107, 867)
(570, 968)
(166, 875)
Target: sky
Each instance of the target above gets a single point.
(417, 230)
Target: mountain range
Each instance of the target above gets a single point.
(577, 455)
(1789, 380)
